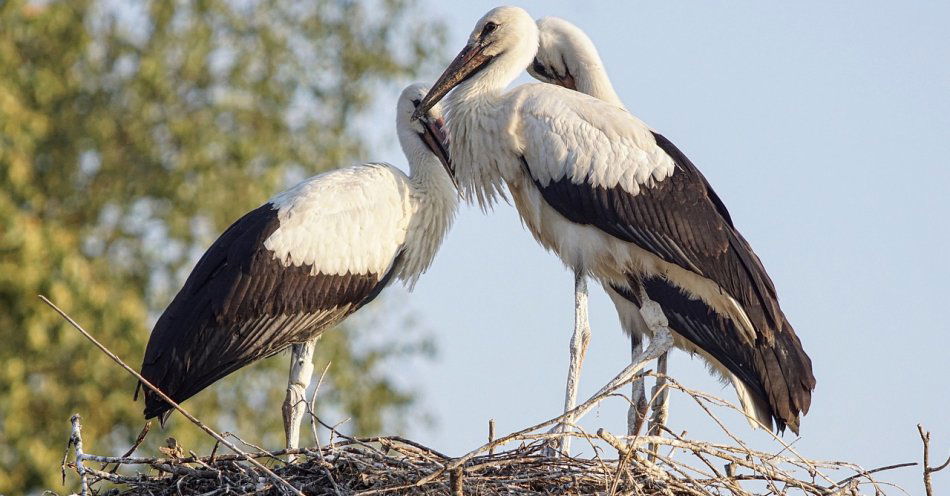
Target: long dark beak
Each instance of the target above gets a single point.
(468, 62)
(436, 140)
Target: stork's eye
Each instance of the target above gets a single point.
(416, 102)
(540, 69)
(489, 27)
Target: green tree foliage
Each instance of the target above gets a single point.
(131, 134)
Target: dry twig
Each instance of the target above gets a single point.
(168, 400)
(928, 470)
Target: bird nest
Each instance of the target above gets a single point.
(517, 463)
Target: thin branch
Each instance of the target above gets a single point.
(928, 470)
(491, 436)
(865, 473)
(657, 347)
(168, 400)
(75, 439)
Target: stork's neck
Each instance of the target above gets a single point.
(426, 172)
(434, 201)
(585, 64)
(479, 118)
(485, 86)
(476, 116)
(593, 80)
(474, 98)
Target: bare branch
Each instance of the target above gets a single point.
(168, 400)
(75, 439)
(491, 435)
(928, 470)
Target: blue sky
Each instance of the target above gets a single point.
(825, 127)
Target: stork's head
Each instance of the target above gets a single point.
(419, 137)
(503, 42)
(567, 57)
(563, 50)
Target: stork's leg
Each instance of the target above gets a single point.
(661, 397)
(295, 404)
(660, 343)
(656, 321)
(638, 398)
(579, 342)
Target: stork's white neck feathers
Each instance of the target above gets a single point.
(478, 108)
(564, 44)
(433, 197)
(425, 170)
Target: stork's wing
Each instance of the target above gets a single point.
(597, 165)
(279, 275)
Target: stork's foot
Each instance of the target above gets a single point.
(293, 410)
(661, 398)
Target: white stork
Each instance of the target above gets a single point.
(568, 58)
(617, 201)
(300, 264)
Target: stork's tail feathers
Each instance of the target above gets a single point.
(786, 373)
(783, 392)
(773, 377)
(155, 406)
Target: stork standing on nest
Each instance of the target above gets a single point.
(619, 202)
(300, 264)
(567, 57)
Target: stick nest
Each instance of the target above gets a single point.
(392, 465)
(667, 464)
(630, 465)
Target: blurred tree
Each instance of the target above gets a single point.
(131, 134)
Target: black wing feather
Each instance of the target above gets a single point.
(683, 221)
(766, 369)
(225, 315)
(678, 220)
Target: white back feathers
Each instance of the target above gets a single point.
(350, 220)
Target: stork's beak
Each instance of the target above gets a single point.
(567, 81)
(436, 140)
(466, 64)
